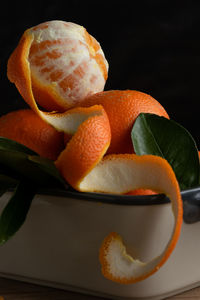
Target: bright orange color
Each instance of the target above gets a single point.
(66, 64)
(37, 67)
(25, 127)
(122, 108)
(139, 192)
(117, 265)
(85, 149)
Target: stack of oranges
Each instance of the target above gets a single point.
(59, 67)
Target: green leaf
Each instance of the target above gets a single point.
(10, 145)
(159, 136)
(46, 165)
(6, 183)
(14, 214)
(24, 169)
(21, 163)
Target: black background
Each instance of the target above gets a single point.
(152, 46)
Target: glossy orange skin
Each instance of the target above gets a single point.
(122, 108)
(25, 127)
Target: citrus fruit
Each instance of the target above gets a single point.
(99, 123)
(122, 108)
(65, 62)
(25, 127)
(138, 192)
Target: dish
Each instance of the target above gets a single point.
(59, 242)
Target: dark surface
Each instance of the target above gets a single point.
(14, 290)
(151, 46)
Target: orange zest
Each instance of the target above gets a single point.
(95, 123)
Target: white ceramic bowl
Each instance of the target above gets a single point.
(58, 245)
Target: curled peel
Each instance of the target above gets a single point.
(19, 72)
(83, 166)
(86, 148)
(121, 174)
(136, 171)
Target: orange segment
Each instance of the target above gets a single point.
(25, 127)
(65, 64)
(122, 108)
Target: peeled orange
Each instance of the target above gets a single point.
(66, 64)
(62, 68)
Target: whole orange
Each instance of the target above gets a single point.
(122, 108)
(25, 127)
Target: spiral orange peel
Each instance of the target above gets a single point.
(134, 172)
(119, 174)
(83, 164)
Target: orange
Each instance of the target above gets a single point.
(25, 127)
(122, 108)
(66, 64)
(143, 192)
(49, 68)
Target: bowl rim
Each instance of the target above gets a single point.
(192, 194)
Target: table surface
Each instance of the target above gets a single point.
(14, 290)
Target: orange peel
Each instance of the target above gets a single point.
(134, 172)
(66, 64)
(86, 148)
(82, 162)
(87, 171)
(19, 71)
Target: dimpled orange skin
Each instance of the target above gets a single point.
(122, 108)
(25, 127)
(85, 149)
